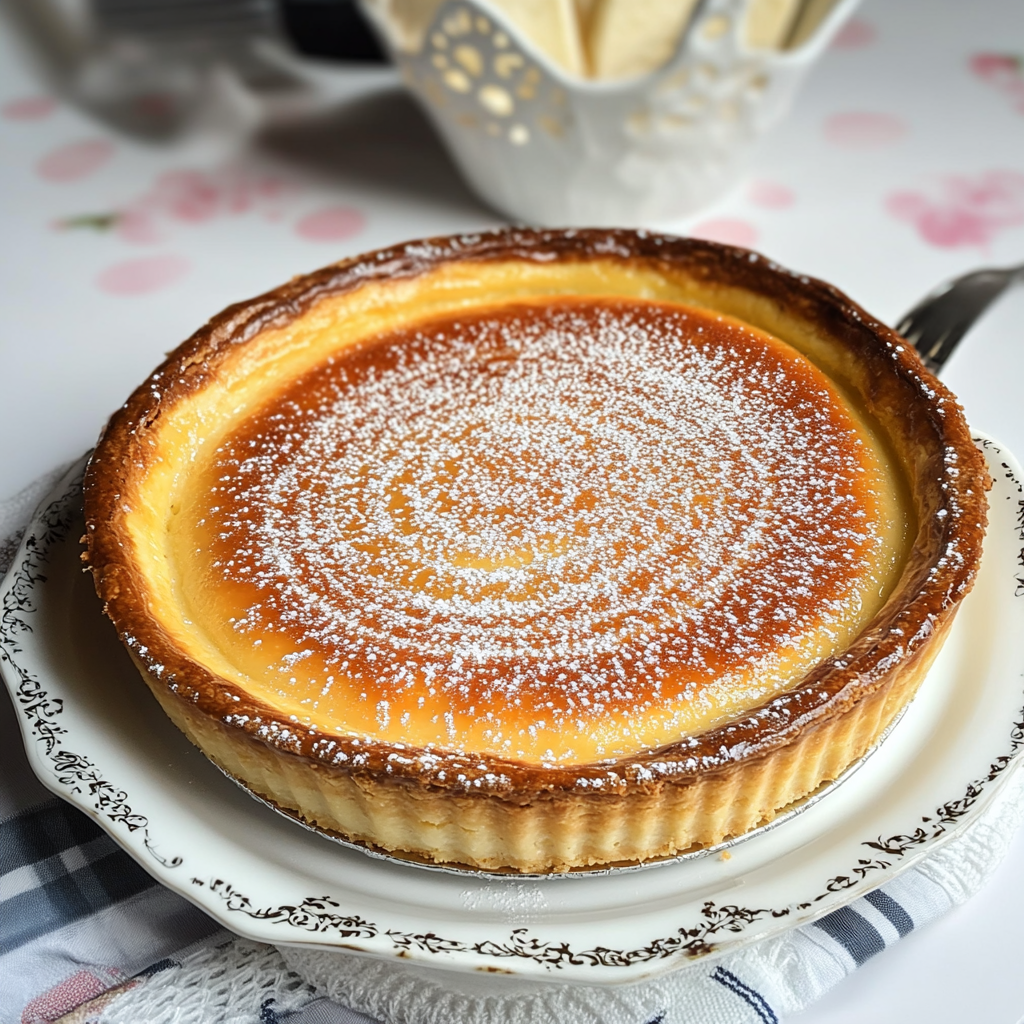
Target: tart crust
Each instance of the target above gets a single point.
(482, 810)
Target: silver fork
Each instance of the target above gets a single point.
(937, 323)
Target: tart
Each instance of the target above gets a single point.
(537, 551)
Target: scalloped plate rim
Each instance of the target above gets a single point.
(534, 958)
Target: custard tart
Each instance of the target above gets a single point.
(537, 551)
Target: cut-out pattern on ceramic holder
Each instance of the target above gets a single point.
(550, 149)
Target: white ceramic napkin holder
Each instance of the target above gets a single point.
(546, 148)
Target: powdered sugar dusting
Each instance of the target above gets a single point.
(546, 523)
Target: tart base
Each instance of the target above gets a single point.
(557, 831)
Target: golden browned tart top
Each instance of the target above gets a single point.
(593, 534)
(557, 531)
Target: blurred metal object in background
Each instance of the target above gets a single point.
(146, 65)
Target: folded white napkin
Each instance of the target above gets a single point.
(244, 982)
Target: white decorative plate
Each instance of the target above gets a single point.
(97, 738)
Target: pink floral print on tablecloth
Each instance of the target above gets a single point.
(771, 195)
(197, 196)
(1004, 72)
(143, 275)
(855, 35)
(184, 198)
(28, 108)
(727, 230)
(330, 224)
(74, 161)
(864, 129)
(963, 210)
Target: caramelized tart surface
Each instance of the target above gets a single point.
(556, 531)
(537, 550)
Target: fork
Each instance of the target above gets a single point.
(937, 323)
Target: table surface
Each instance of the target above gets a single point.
(900, 166)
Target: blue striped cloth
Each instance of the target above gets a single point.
(81, 924)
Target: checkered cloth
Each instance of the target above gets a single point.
(86, 936)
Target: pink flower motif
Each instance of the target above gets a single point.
(141, 276)
(1002, 71)
(772, 195)
(139, 226)
(996, 67)
(331, 224)
(855, 35)
(31, 108)
(196, 197)
(75, 161)
(864, 129)
(962, 210)
(728, 230)
(191, 197)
